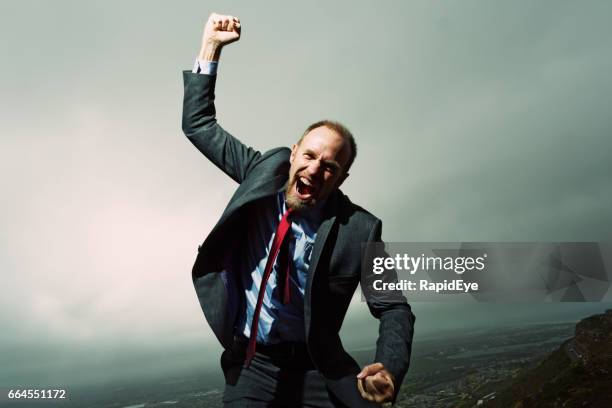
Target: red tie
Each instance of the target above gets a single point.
(277, 243)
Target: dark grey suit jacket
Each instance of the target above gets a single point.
(335, 265)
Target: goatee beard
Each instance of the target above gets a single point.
(293, 202)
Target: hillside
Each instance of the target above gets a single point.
(577, 374)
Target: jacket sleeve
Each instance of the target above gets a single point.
(201, 128)
(396, 321)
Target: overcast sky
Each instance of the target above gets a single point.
(475, 121)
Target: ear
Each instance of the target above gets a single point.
(293, 153)
(341, 179)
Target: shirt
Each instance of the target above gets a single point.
(277, 321)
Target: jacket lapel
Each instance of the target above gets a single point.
(322, 234)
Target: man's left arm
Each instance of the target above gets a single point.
(380, 382)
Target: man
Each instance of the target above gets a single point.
(276, 274)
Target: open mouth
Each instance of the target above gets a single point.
(305, 188)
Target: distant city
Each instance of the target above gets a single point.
(460, 369)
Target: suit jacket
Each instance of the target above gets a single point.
(335, 264)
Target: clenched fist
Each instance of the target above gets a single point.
(375, 383)
(219, 30)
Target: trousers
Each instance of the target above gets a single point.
(277, 380)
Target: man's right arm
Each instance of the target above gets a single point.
(199, 121)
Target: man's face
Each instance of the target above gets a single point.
(317, 168)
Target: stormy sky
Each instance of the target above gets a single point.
(475, 121)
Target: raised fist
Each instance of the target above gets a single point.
(221, 30)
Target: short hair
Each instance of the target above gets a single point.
(341, 130)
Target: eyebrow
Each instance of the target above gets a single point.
(332, 163)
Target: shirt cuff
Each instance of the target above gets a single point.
(205, 67)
